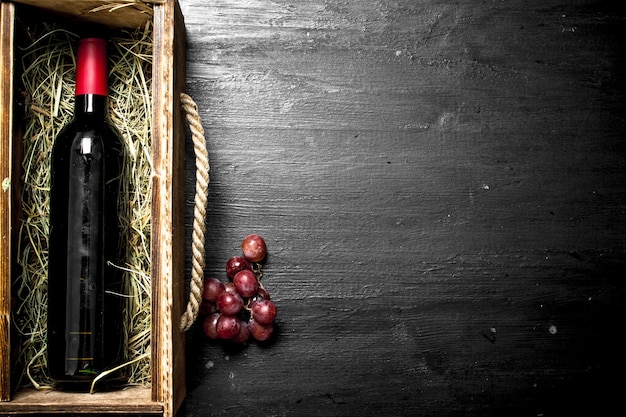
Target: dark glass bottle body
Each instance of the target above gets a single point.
(84, 287)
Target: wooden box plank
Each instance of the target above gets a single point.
(168, 207)
(115, 13)
(129, 401)
(6, 128)
(167, 220)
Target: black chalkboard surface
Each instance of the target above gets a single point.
(441, 185)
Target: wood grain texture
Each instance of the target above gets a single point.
(6, 131)
(133, 401)
(168, 199)
(123, 14)
(441, 187)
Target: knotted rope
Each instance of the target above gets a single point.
(199, 213)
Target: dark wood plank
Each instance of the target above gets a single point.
(6, 130)
(441, 188)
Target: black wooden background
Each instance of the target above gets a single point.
(441, 185)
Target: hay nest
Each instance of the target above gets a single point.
(48, 69)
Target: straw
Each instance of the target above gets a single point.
(48, 68)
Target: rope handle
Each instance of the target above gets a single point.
(199, 213)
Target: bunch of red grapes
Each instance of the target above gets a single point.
(240, 308)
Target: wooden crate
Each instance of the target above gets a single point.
(167, 223)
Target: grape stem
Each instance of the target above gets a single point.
(258, 271)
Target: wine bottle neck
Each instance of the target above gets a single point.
(91, 105)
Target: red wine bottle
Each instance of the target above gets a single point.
(85, 304)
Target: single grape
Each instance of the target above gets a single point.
(244, 333)
(229, 287)
(229, 303)
(264, 311)
(209, 326)
(207, 308)
(236, 264)
(213, 287)
(263, 293)
(260, 331)
(228, 326)
(246, 283)
(254, 248)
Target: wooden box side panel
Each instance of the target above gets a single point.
(168, 231)
(113, 13)
(7, 11)
(180, 48)
(131, 401)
